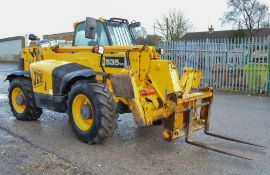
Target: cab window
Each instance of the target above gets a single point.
(100, 37)
(119, 33)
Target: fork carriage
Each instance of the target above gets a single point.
(185, 107)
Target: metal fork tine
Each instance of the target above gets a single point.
(203, 145)
(218, 149)
(232, 139)
(207, 132)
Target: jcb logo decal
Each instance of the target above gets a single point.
(38, 78)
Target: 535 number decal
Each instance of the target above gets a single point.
(117, 62)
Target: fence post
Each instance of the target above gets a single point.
(264, 63)
(246, 61)
(259, 73)
(253, 77)
(237, 84)
(242, 73)
(233, 64)
(268, 66)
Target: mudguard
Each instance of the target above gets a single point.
(19, 73)
(64, 76)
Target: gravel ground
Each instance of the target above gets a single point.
(18, 156)
(48, 146)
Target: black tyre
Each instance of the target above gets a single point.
(157, 122)
(92, 111)
(22, 101)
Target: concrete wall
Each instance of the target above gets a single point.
(9, 58)
(10, 48)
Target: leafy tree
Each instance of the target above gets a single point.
(173, 25)
(245, 14)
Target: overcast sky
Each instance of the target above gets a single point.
(18, 17)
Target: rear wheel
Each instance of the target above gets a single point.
(92, 111)
(157, 122)
(21, 100)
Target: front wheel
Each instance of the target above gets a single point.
(92, 111)
(22, 101)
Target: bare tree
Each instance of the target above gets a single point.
(151, 40)
(173, 25)
(246, 14)
(141, 32)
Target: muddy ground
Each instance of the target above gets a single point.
(48, 146)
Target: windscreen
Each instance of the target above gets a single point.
(119, 33)
(100, 36)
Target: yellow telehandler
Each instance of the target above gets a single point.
(103, 75)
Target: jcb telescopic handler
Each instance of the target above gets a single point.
(103, 75)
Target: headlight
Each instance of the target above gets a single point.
(98, 49)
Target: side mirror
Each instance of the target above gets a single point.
(134, 25)
(90, 27)
(32, 37)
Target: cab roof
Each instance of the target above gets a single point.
(103, 20)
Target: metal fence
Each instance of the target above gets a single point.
(239, 64)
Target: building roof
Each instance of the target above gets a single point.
(262, 32)
(12, 38)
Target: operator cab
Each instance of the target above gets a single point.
(113, 32)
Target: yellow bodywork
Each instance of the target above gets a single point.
(146, 71)
(42, 83)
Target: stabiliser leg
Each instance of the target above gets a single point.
(207, 132)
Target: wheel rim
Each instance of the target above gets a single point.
(82, 112)
(18, 100)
